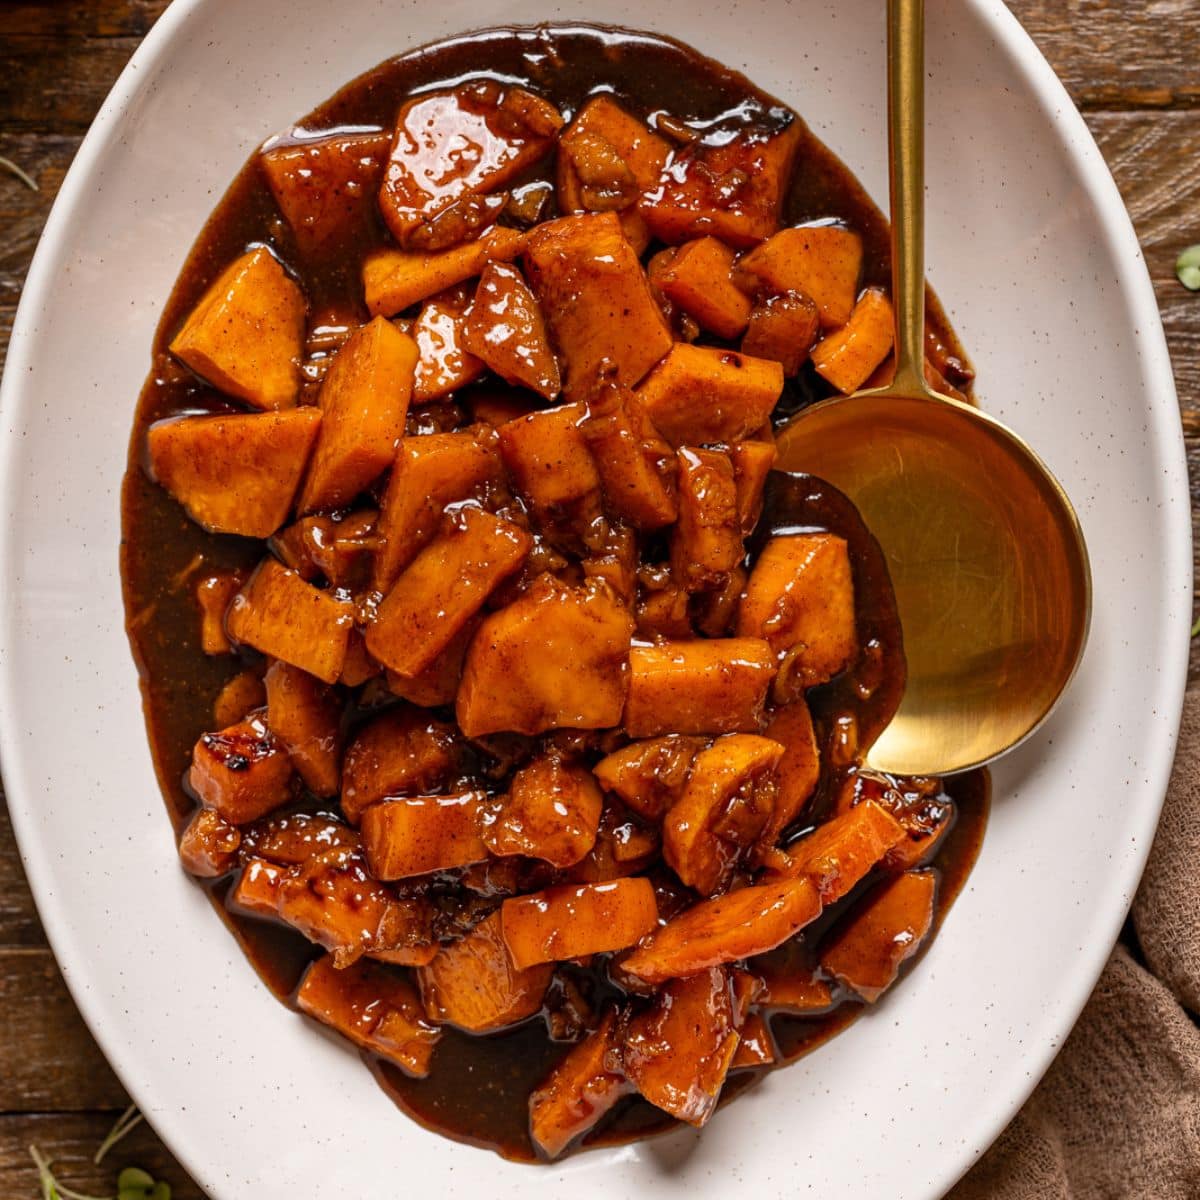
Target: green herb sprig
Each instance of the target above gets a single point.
(133, 1183)
(1187, 268)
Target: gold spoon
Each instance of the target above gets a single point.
(985, 551)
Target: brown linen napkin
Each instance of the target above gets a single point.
(1118, 1113)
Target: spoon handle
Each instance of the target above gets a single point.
(906, 158)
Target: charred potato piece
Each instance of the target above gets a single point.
(242, 772)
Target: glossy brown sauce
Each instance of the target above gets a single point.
(478, 1088)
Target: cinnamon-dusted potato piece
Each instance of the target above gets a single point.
(866, 952)
(722, 809)
(575, 920)
(444, 586)
(699, 279)
(307, 719)
(246, 335)
(799, 769)
(257, 889)
(393, 280)
(624, 847)
(294, 837)
(551, 811)
(737, 925)
(358, 665)
(506, 330)
(473, 984)
(717, 685)
(921, 807)
(242, 772)
(209, 845)
(241, 694)
(822, 262)
(801, 598)
(783, 328)
(326, 187)
(284, 617)
(438, 683)
(663, 610)
(649, 775)
(419, 834)
(752, 463)
(706, 543)
(234, 472)
(703, 394)
(583, 1086)
(849, 355)
(678, 1051)
(458, 143)
(375, 1008)
(614, 561)
(444, 364)
(790, 982)
(557, 657)
(597, 303)
(213, 594)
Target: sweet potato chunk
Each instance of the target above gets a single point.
(699, 280)
(364, 400)
(209, 845)
(444, 586)
(583, 1086)
(801, 599)
(783, 328)
(291, 838)
(614, 561)
(240, 695)
(722, 809)
(866, 952)
(752, 463)
(236, 472)
(242, 772)
(395, 279)
(473, 984)
(847, 356)
(799, 769)
(257, 888)
(326, 187)
(756, 1046)
(462, 142)
(714, 613)
(729, 185)
(555, 658)
(706, 543)
(921, 807)
(663, 610)
(284, 617)
(506, 330)
(573, 921)
(649, 775)
(594, 294)
(246, 335)
(213, 594)
(375, 1008)
(552, 812)
(705, 394)
(717, 685)
(336, 547)
(438, 683)
(789, 981)
(678, 1052)
(401, 752)
(444, 364)
(419, 834)
(307, 719)
(734, 926)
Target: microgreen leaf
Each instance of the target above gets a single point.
(1196, 627)
(6, 164)
(1187, 268)
(51, 1188)
(124, 1123)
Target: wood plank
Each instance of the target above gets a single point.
(7, 314)
(66, 19)
(19, 924)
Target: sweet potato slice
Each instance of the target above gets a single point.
(847, 356)
(703, 394)
(722, 809)
(236, 472)
(556, 658)
(649, 775)
(551, 811)
(624, 847)
(473, 984)
(866, 952)
(393, 280)
(799, 769)
(573, 921)
(801, 599)
(597, 303)
(583, 1086)
(419, 834)
(246, 335)
(506, 330)
(284, 617)
(706, 543)
(239, 697)
(401, 752)
(783, 328)
(444, 586)
(678, 1051)
(731, 927)
(375, 1008)
(822, 262)
(213, 594)
(790, 983)
(752, 463)
(718, 685)
(307, 719)
(699, 280)
(438, 684)
(242, 772)
(921, 807)
(326, 187)
(291, 838)
(444, 364)
(209, 845)
(257, 888)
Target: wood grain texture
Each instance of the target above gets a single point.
(20, 928)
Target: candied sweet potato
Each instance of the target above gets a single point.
(419, 834)
(257, 888)
(737, 925)
(284, 617)
(444, 363)
(246, 335)
(800, 597)
(242, 772)
(241, 695)
(790, 983)
(557, 657)
(473, 984)
(575, 920)
(663, 611)
(307, 719)
(847, 356)
(443, 587)
(713, 613)
(438, 683)
(649, 775)
(208, 846)
(701, 394)
(706, 542)
(336, 547)
(294, 837)
(752, 463)
(717, 685)
(699, 280)
(783, 328)
(213, 594)
(799, 769)
(756, 1046)
(234, 472)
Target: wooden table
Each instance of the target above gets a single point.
(1132, 70)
